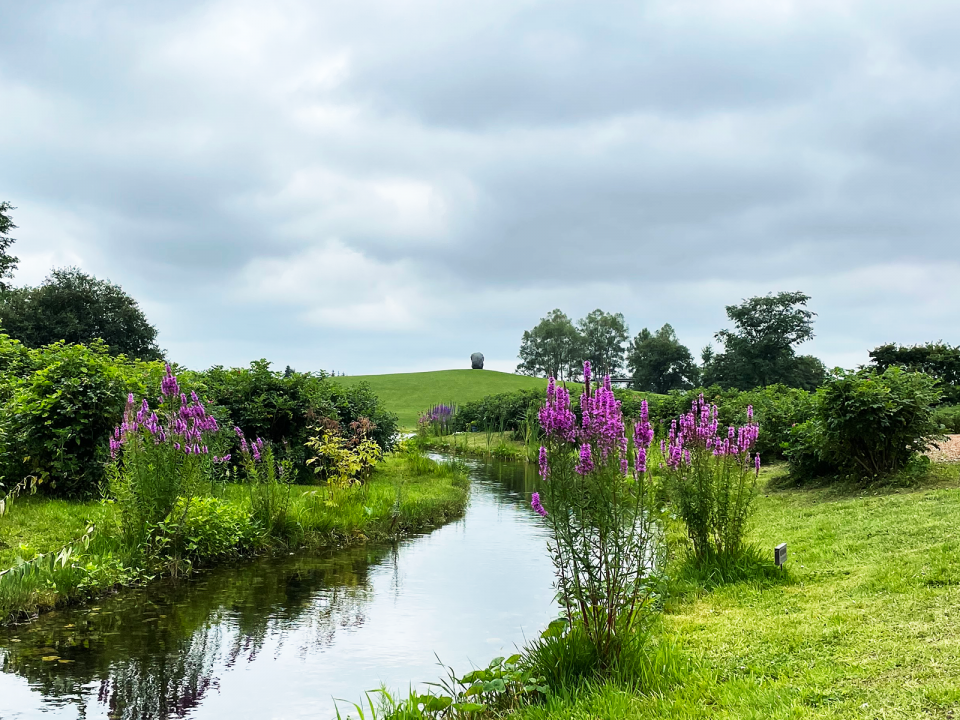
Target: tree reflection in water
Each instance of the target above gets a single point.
(157, 652)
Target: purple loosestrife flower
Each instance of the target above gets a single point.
(556, 418)
(756, 463)
(641, 466)
(586, 373)
(585, 464)
(537, 505)
(169, 386)
(544, 467)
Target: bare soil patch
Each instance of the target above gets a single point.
(949, 451)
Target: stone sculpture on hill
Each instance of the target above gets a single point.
(476, 361)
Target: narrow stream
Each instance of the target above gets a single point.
(281, 638)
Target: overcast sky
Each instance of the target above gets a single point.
(387, 186)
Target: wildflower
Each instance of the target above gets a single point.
(537, 505)
(641, 466)
(585, 464)
(544, 467)
(756, 463)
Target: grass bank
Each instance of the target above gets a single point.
(406, 494)
(409, 394)
(863, 625)
(500, 445)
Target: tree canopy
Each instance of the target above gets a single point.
(759, 351)
(937, 359)
(551, 348)
(78, 308)
(604, 335)
(8, 263)
(659, 362)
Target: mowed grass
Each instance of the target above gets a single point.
(866, 623)
(409, 394)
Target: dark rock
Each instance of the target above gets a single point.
(476, 361)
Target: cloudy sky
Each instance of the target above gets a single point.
(388, 186)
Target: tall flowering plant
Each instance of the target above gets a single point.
(711, 473)
(268, 482)
(599, 510)
(160, 455)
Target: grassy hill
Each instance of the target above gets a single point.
(409, 394)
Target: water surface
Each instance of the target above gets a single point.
(282, 637)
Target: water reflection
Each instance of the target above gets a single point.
(281, 637)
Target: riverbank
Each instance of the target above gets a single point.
(405, 495)
(498, 445)
(863, 624)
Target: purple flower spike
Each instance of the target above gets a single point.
(544, 467)
(537, 505)
(585, 464)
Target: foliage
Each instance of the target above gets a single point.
(760, 350)
(282, 408)
(503, 411)
(552, 348)
(341, 460)
(162, 459)
(600, 516)
(866, 423)
(78, 309)
(59, 416)
(659, 362)
(205, 529)
(949, 417)
(938, 360)
(8, 263)
(505, 684)
(711, 479)
(604, 335)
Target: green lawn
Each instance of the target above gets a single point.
(865, 625)
(409, 394)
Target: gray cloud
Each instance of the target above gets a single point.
(378, 186)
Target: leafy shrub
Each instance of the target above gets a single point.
(502, 411)
(59, 416)
(207, 529)
(282, 408)
(867, 424)
(949, 417)
(711, 478)
(342, 460)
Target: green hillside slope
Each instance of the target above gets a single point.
(409, 394)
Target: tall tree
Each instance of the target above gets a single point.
(936, 359)
(552, 348)
(604, 335)
(760, 350)
(78, 308)
(8, 263)
(659, 362)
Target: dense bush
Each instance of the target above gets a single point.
(936, 359)
(866, 424)
(206, 529)
(282, 408)
(62, 402)
(503, 411)
(949, 417)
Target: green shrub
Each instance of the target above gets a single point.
(866, 424)
(206, 529)
(502, 411)
(282, 408)
(949, 417)
(60, 416)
